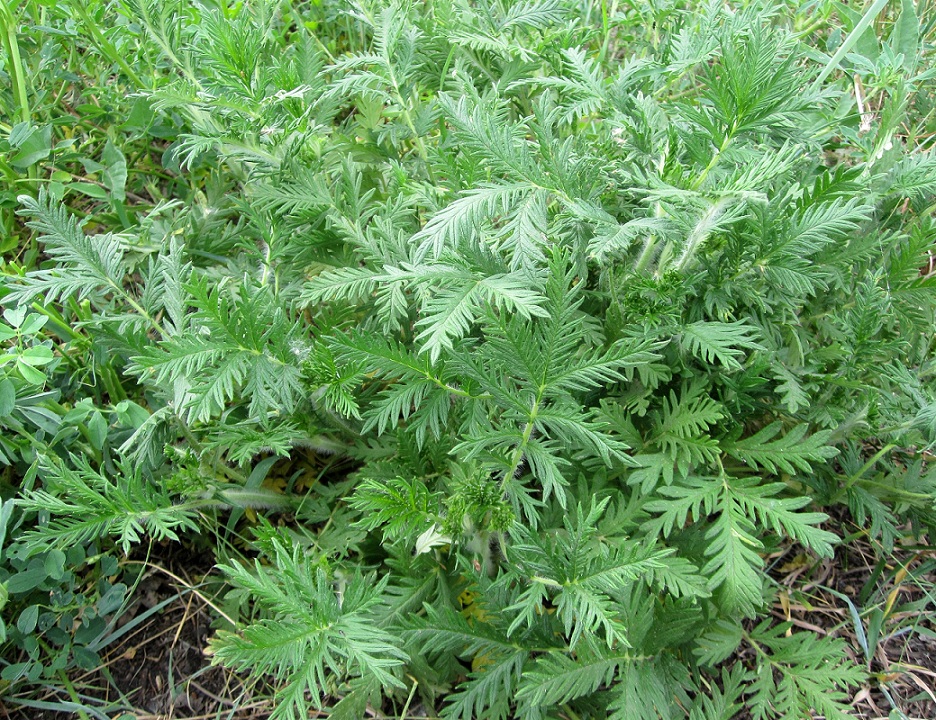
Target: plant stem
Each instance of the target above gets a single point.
(10, 42)
(872, 461)
(14, 60)
(714, 161)
(606, 27)
(524, 440)
(105, 46)
(870, 14)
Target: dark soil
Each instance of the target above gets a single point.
(902, 663)
(164, 670)
(159, 668)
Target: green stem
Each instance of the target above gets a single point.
(409, 699)
(72, 693)
(647, 253)
(867, 466)
(14, 60)
(57, 320)
(714, 161)
(850, 41)
(811, 28)
(8, 38)
(757, 648)
(118, 290)
(158, 36)
(408, 118)
(606, 27)
(445, 67)
(524, 440)
(105, 46)
(108, 374)
(699, 233)
(312, 34)
(196, 445)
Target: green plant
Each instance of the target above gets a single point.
(590, 321)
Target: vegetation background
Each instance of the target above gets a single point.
(505, 358)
